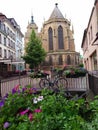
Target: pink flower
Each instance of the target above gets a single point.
(16, 88)
(24, 112)
(37, 110)
(30, 116)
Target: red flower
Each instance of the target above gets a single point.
(30, 116)
(37, 110)
(24, 112)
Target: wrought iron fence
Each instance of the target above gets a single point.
(93, 83)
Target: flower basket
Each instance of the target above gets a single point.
(75, 73)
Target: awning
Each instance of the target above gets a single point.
(5, 61)
(18, 62)
(11, 62)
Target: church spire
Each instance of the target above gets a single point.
(32, 19)
(56, 4)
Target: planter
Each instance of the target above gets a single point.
(75, 75)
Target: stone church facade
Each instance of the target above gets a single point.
(57, 40)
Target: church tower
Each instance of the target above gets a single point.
(31, 26)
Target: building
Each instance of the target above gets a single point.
(57, 40)
(19, 47)
(90, 42)
(8, 43)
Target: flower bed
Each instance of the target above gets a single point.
(28, 109)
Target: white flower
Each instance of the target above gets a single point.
(40, 98)
(35, 100)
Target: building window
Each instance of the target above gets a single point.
(89, 37)
(60, 60)
(0, 24)
(60, 38)
(50, 36)
(75, 60)
(94, 61)
(8, 42)
(5, 41)
(0, 52)
(68, 60)
(9, 53)
(91, 32)
(5, 54)
(0, 39)
(50, 60)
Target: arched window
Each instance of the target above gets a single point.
(50, 36)
(60, 60)
(50, 60)
(60, 38)
(68, 60)
(75, 60)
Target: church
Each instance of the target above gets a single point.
(57, 40)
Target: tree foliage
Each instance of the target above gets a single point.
(35, 53)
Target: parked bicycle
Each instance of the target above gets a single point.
(57, 82)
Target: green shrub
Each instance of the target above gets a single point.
(28, 109)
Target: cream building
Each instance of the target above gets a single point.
(90, 42)
(10, 42)
(57, 40)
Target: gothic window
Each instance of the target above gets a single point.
(60, 60)
(68, 60)
(50, 36)
(60, 38)
(50, 60)
(75, 60)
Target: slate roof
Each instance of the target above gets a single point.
(56, 14)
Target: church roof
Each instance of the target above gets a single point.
(56, 13)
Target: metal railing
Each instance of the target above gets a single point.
(93, 83)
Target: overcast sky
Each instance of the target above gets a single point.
(78, 11)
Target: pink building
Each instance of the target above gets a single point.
(90, 41)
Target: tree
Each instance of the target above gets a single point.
(35, 54)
